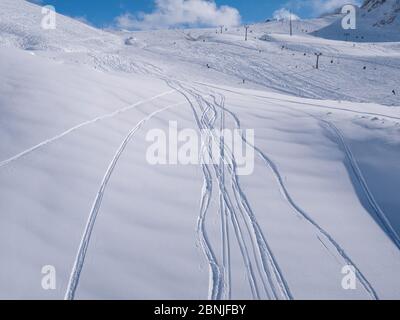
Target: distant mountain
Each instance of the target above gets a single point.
(377, 21)
(385, 12)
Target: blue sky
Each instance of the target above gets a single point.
(103, 13)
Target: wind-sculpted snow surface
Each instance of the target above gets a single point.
(77, 191)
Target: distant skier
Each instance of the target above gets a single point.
(394, 92)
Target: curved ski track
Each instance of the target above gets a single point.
(82, 249)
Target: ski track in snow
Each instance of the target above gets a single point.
(226, 248)
(273, 281)
(285, 193)
(83, 124)
(216, 289)
(259, 243)
(268, 268)
(364, 113)
(216, 281)
(207, 124)
(215, 273)
(329, 126)
(363, 183)
(81, 254)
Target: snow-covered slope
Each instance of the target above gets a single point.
(76, 106)
(21, 22)
(384, 12)
(377, 21)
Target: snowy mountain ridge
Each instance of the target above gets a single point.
(385, 12)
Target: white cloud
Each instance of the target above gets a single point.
(326, 6)
(319, 7)
(284, 14)
(172, 13)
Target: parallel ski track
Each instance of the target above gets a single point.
(216, 273)
(264, 265)
(226, 248)
(207, 124)
(226, 201)
(274, 277)
(270, 267)
(202, 124)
